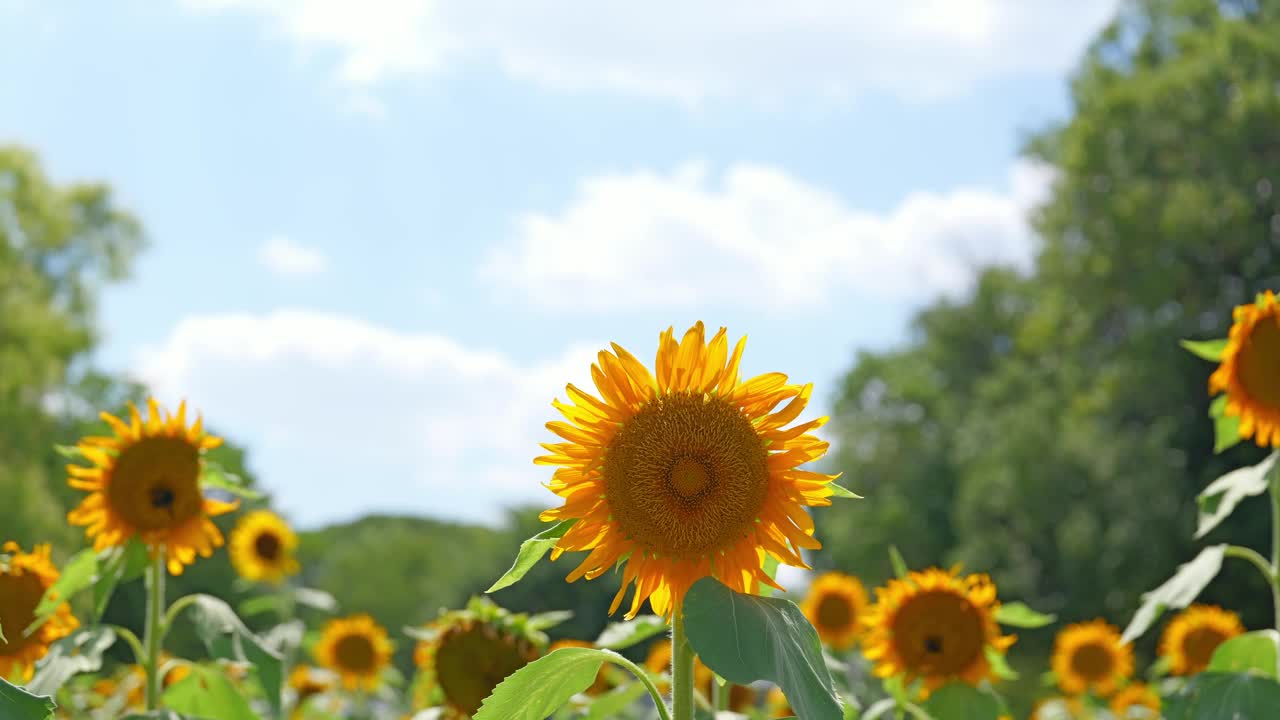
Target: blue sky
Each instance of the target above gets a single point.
(384, 235)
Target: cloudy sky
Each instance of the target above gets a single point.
(385, 234)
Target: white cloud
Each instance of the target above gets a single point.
(692, 51)
(283, 256)
(757, 236)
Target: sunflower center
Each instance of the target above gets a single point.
(355, 653)
(1093, 662)
(19, 596)
(471, 661)
(834, 612)
(1260, 362)
(267, 546)
(154, 483)
(686, 476)
(938, 633)
(1198, 646)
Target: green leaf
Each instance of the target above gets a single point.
(1226, 433)
(227, 638)
(744, 638)
(957, 701)
(538, 689)
(1213, 695)
(770, 568)
(214, 476)
(160, 715)
(79, 652)
(613, 704)
(1223, 495)
(899, 564)
(840, 491)
(998, 664)
(1254, 652)
(77, 574)
(120, 564)
(1017, 614)
(19, 704)
(531, 551)
(1210, 350)
(207, 692)
(880, 708)
(545, 620)
(620, 635)
(70, 452)
(258, 605)
(1177, 592)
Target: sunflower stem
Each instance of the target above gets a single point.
(1275, 543)
(153, 631)
(681, 670)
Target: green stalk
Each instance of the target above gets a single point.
(154, 629)
(1275, 543)
(681, 670)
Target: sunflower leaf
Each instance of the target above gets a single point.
(770, 568)
(898, 563)
(77, 575)
(614, 703)
(840, 491)
(124, 564)
(538, 689)
(227, 638)
(545, 620)
(22, 705)
(1017, 614)
(531, 551)
(620, 635)
(1224, 695)
(206, 692)
(744, 638)
(214, 476)
(1176, 592)
(1223, 495)
(958, 701)
(1226, 433)
(1254, 652)
(1210, 350)
(998, 664)
(70, 452)
(79, 652)
(159, 715)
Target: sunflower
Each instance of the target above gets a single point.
(834, 605)
(1192, 636)
(684, 473)
(777, 704)
(1090, 656)
(1249, 372)
(356, 648)
(602, 682)
(1136, 695)
(262, 546)
(934, 625)
(146, 481)
(24, 578)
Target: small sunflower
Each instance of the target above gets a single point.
(684, 473)
(357, 649)
(24, 578)
(262, 547)
(934, 625)
(777, 704)
(145, 481)
(471, 652)
(603, 681)
(834, 605)
(306, 682)
(1089, 656)
(1192, 636)
(1249, 372)
(1133, 696)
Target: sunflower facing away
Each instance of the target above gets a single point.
(1190, 638)
(1250, 371)
(1136, 700)
(145, 481)
(1090, 656)
(934, 625)
(262, 547)
(24, 578)
(356, 648)
(685, 472)
(834, 606)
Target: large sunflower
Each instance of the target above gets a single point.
(1250, 371)
(834, 605)
(1090, 656)
(24, 578)
(262, 547)
(146, 482)
(356, 648)
(1190, 638)
(471, 652)
(1136, 700)
(684, 473)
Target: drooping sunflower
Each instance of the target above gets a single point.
(1190, 638)
(685, 472)
(835, 605)
(1089, 656)
(262, 547)
(24, 579)
(934, 625)
(1249, 372)
(357, 649)
(1136, 700)
(145, 481)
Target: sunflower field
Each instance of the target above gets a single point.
(1059, 500)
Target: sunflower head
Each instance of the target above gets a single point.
(471, 651)
(262, 547)
(1249, 371)
(936, 626)
(1090, 657)
(1136, 700)
(145, 481)
(835, 605)
(1190, 638)
(24, 578)
(684, 472)
(307, 681)
(357, 649)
